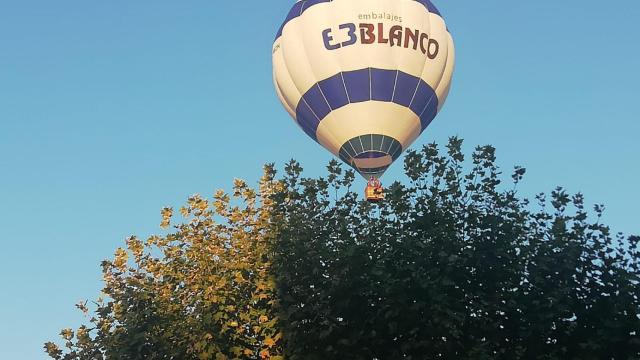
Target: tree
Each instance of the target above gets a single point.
(452, 265)
(201, 292)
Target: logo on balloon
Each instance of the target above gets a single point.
(377, 34)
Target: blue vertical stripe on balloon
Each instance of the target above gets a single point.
(405, 88)
(334, 91)
(382, 84)
(429, 5)
(429, 113)
(358, 85)
(424, 94)
(307, 119)
(293, 13)
(310, 3)
(316, 101)
(395, 150)
(357, 145)
(367, 142)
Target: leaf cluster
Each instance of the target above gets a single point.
(453, 265)
(203, 291)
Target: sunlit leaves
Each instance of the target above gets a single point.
(120, 259)
(166, 213)
(204, 291)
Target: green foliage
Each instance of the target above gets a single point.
(452, 265)
(202, 292)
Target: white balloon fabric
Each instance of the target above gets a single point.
(364, 78)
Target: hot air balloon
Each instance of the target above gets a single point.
(363, 78)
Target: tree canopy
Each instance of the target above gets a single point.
(203, 291)
(454, 264)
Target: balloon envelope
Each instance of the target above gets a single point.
(364, 78)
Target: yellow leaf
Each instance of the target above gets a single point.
(166, 213)
(121, 258)
(67, 334)
(269, 342)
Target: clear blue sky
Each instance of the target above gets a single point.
(110, 110)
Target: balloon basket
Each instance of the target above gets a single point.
(374, 192)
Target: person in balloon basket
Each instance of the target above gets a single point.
(374, 191)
